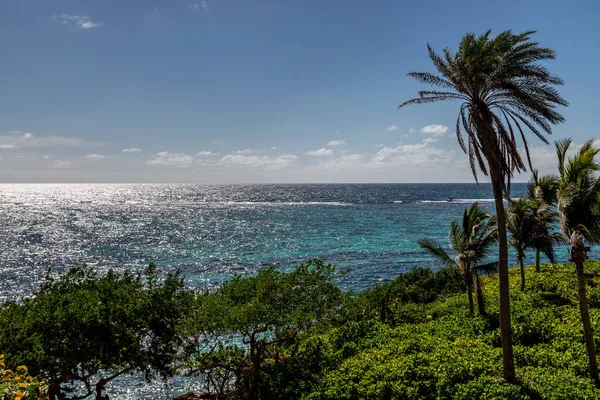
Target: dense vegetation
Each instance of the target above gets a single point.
(86, 330)
(295, 335)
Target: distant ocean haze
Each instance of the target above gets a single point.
(212, 232)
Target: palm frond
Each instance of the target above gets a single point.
(437, 251)
(487, 269)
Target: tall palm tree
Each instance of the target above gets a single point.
(579, 208)
(472, 240)
(503, 89)
(543, 188)
(529, 222)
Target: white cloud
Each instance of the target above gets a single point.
(380, 145)
(8, 146)
(430, 140)
(132, 150)
(165, 158)
(411, 130)
(47, 157)
(95, 156)
(29, 140)
(392, 128)
(60, 164)
(336, 143)
(321, 152)
(206, 153)
(419, 154)
(202, 6)
(274, 148)
(435, 130)
(269, 163)
(245, 151)
(77, 21)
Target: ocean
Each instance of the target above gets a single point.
(211, 232)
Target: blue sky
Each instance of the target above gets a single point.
(222, 91)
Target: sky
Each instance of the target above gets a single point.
(277, 91)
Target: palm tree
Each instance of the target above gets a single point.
(503, 90)
(519, 223)
(544, 188)
(529, 222)
(579, 208)
(472, 241)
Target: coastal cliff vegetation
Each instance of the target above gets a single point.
(296, 335)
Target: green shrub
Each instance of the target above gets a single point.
(82, 328)
(19, 385)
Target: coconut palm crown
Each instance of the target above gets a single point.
(503, 90)
(543, 187)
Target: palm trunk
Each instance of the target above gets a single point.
(505, 329)
(480, 299)
(522, 273)
(469, 282)
(537, 260)
(578, 256)
(588, 333)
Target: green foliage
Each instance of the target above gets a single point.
(529, 224)
(87, 329)
(19, 385)
(543, 188)
(395, 301)
(579, 190)
(296, 335)
(472, 240)
(253, 316)
(440, 352)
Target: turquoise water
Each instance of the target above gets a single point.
(211, 232)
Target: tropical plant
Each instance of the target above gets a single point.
(386, 302)
(579, 207)
(472, 241)
(529, 224)
(19, 385)
(85, 330)
(543, 188)
(241, 325)
(502, 86)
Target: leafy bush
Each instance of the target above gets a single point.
(396, 301)
(254, 316)
(83, 329)
(19, 385)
